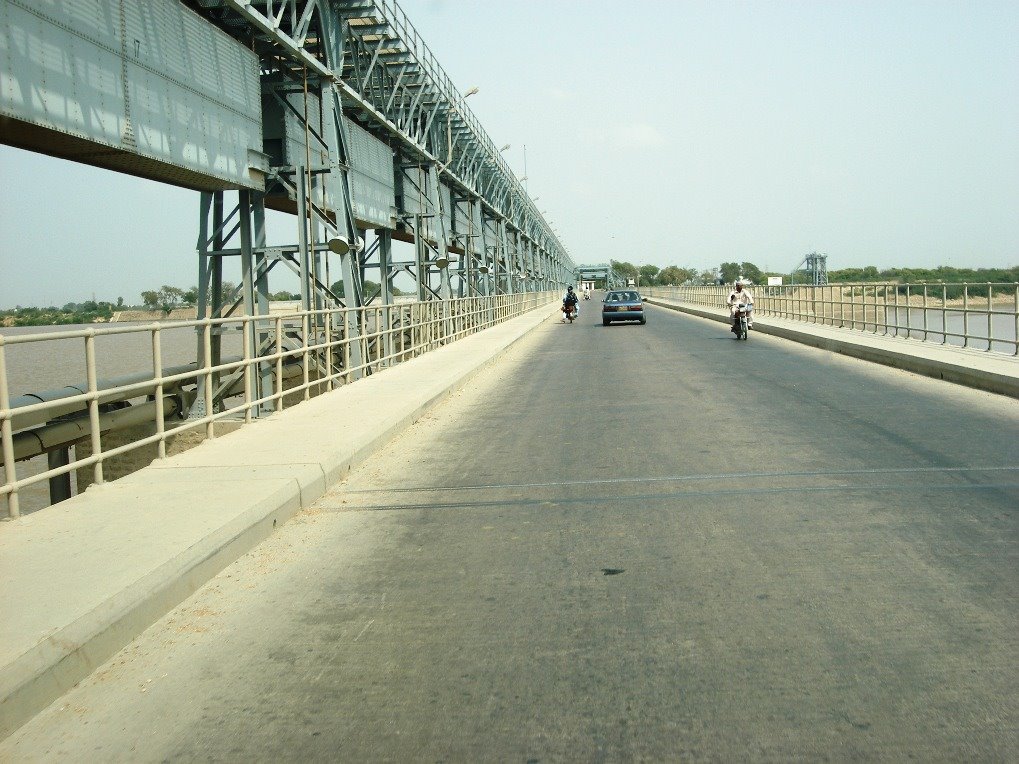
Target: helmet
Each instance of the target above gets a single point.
(738, 284)
(569, 288)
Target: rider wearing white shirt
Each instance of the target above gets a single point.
(740, 296)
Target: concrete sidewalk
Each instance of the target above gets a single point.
(994, 372)
(82, 578)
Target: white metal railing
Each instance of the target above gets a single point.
(284, 356)
(981, 316)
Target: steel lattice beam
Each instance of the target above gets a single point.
(393, 84)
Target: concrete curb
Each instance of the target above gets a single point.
(274, 482)
(72, 652)
(952, 364)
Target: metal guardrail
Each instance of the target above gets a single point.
(981, 316)
(275, 364)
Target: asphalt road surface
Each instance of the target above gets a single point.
(624, 543)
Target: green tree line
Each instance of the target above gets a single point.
(167, 297)
(942, 273)
(651, 275)
(675, 275)
(87, 312)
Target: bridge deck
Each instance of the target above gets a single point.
(86, 576)
(994, 372)
(83, 577)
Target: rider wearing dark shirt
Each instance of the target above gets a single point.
(570, 302)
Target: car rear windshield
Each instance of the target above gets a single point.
(622, 297)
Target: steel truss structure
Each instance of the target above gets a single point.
(816, 266)
(601, 271)
(346, 80)
(334, 111)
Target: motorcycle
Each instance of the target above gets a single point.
(569, 312)
(587, 295)
(741, 321)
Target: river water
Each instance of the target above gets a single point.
(38, 366)
(1000, 326)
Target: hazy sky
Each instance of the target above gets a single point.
(688, 133)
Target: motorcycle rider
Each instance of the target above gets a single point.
(570, 303)
(740, 296)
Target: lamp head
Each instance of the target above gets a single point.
(341, 246)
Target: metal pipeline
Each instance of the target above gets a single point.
(57, 432)
(34, 418)
(64, 432)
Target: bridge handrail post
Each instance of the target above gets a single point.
(157, 374)
(247, 326)
(7, 438)
(348, 376)
(923, 311)
(328, 321)
(965, 315)
(93, 406)
(210, 429)
(990, 323)
(1015, 318)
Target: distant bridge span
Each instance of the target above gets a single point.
(598, 272)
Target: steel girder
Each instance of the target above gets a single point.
(364, 60)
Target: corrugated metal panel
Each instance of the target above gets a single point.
(447, 208)
(369, 155)
(92, 20)
(464, 224)
(472, 228)
(491, 240)
(148, 88)
(294, 129)
(415, 200)
(371, 178)
(287, 134)
(409, 201)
